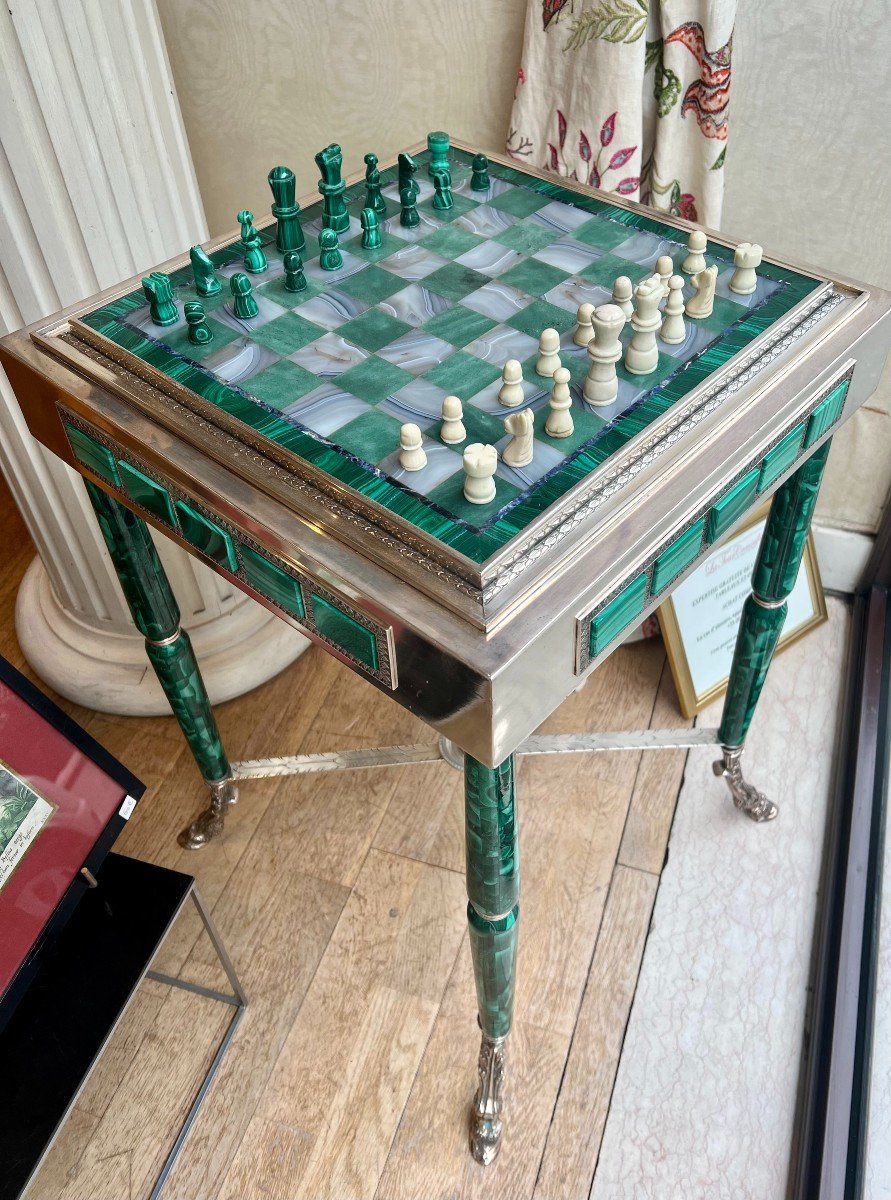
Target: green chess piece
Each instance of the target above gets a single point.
(244, 305)
(332, 187)
(295, 280)
(373, 197)
(286, 210)
(200, 333)
(438, 145)
(206, 282)
(159, 293)
(371, 234)
(442, 190)
(407, 167)
(479, 178)
(330, 258)
(254, 258)
(409, 217)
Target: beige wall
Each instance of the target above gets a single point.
(807, 170)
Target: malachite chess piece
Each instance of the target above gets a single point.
(371, 234)
(407, 167)
(438, 145)
(479, 174)
(295, 280)
(330, 258)
(159, 294)
(286, 210)
(243, 303)
(254, 258)
(332, 187)
(373, 197)
(206, 282)
(200, 333)
(442, 190)
(409, 217)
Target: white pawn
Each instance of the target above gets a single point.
(548, 357)
(604, 351)
(673, 328)
(665, 270)
(479, 467)
(518, 451)
(746, 258)
(511, 392)
(559, 423)
(411, 452)
(701, 305)
(622, 295)
(452, 430)
(642, 355)
(583, 330)
(695, 260)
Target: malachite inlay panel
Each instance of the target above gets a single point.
(676, 557)
(780, 458)
(345, 631)
(731, 506)
(208, 537)
(272, 581)
(93, 454)
(826, 413)
(617, 615)
(146, 493)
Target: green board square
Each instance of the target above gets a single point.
(533, 277)
(459, 326)
(374, 379)
(606, 270)
(208, 537)
(179, 343)
(460, 206)
(455, 281)
(666, 365)
(281, 384)
(373, 329)
(449, 495)
(287, 333)
(372, 285)
(462, 375)
(541, 315)
(272, 581)
(585, 426)
(93, 454)
(276, 290)
(724, 314)
(602, 234)
(519, 202)
(450, 242)
(481, 427)
(370, 437)
(146, 493)
(616, 616)
(345, 632)
(677, 556)
(526, 237)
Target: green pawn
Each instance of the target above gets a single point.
(373, 197)
(479, 178)
(442, 190)
(371, 234)
(295, 280)
(254, 258)
(200, 333)
(409, 217)
(159, 293)
(206, 282)
(243, 303)
(330, 258)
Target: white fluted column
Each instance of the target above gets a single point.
(96, 184)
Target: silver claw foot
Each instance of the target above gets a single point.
(746, 797)
(209, 823)
(485, 1119)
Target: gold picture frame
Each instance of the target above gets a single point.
(694, 695)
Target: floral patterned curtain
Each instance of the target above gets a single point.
(630, 96)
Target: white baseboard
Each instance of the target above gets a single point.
(842, 555)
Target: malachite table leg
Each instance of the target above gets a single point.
(493, 890)
(156, 614)
(776, 569)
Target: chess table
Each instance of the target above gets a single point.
(271, 453)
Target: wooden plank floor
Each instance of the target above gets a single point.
(341, 900)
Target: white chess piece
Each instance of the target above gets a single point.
(604, 351)
(673, 329)
(701, 305)
(583, 331)
(479, 467)
(642, 355)
(511, 392)
(452, 430)
(548, 356)
(622, 295)
(695, 260)
(747, 257)
(665, 270)
(559, 423)
(411, 451)
(518, 452)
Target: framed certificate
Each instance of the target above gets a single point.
(700, 619)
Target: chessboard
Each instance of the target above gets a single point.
(331, 373)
